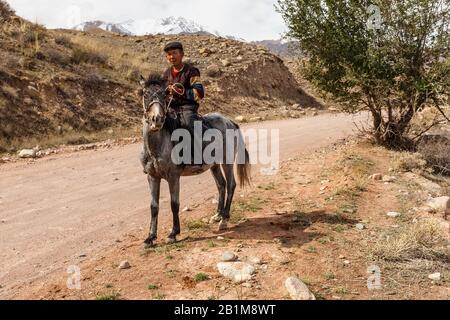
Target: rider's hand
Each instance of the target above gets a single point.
(173, 90)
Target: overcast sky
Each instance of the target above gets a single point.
(248, 19)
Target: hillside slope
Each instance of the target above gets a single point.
(71, 81)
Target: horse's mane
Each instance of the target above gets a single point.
(155, 79)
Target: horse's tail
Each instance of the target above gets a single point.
(243, 167)
(244, 171)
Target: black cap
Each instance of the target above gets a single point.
(173, 45)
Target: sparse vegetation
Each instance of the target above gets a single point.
(422, 240)
(253, 204)
(329, 276)
(153, 287)
(341, 290)
(406, 161)
(159, 296)
(63, 41)
(171, 273)
(82, 55)
(356, 164)
(435, 151)
(268, 187)
(211, 244)
(311, 249)
(340, 228)
(198, 224)
(108, 297)
(5, 10)
(200, 277)
(56, 56)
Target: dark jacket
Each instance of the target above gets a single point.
(189, 77)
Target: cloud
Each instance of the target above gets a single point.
(251, 20)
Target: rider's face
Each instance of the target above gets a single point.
(175, 57)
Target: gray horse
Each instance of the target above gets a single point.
(157, 160)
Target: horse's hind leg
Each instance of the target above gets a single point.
(155, 187)
(231, 188)
(221, 186)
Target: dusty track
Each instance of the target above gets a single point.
(60, 208)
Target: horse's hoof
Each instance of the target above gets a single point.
(223, 225)
(171, 241)
(148, 244)
(216, 219)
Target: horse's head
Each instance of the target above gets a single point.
(154, 101)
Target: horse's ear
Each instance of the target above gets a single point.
(142, 81)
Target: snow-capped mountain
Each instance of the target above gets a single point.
(169, 26)
(111, 27)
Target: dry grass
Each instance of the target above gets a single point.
(422, 240)
(5, 10)
(56, 56)
(63, 41)
(9, 91)
(83, 55)
(356, 164)
(406, 161)
(437, 155)
(127, 62)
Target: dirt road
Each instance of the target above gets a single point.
(60, 210)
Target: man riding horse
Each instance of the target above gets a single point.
(171, 101)
(183, 84)
(184, 89)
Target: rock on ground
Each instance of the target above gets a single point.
(229, 257)
(376, 177)
(360, 226)
(389, 179)
(431, 187)
(27, 153)
(441, 204)
(238, 272)
(226, 62)
(394, 214)
(124, 265)
(435, 277)
(298, 290)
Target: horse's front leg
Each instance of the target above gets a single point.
(144, 157)
(155, 187)
(174, 186)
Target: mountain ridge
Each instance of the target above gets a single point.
(153, 26)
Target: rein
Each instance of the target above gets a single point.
(156, 99)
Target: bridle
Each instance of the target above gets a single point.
(156, 99)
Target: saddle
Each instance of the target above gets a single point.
(176, 116)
